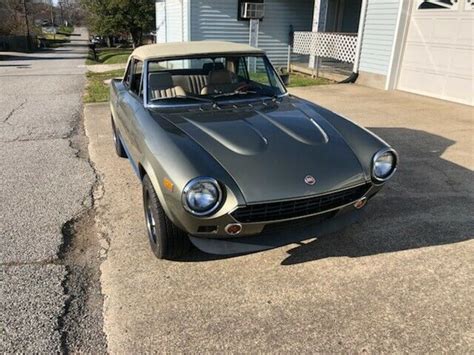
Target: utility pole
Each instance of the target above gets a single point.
(28, 39)
(60, 3)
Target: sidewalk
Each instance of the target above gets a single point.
(101, 68)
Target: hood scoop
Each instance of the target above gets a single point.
(270, 150)
(299, 127)
(241, 137)
(249, 133)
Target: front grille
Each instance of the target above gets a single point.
(273, 211)
(294, 224)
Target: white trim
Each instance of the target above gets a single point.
(396, 56)
(360, 35)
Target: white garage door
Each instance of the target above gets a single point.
(438, 59)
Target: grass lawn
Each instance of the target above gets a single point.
(96, 90)
(57, 37)
(53, 41)
(295, 79)
(303, 80)
(109, 56)
(66, 29)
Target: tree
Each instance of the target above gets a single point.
(12, 19)
(109, 17)
(17, 15)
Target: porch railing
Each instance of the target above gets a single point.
(339, 46)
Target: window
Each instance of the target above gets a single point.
(438, 4)
(136, 77)
(191, 80)
(262, 73)
(242, 72)
(241, 8)
(126, 78)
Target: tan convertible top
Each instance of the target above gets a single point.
(178, 49)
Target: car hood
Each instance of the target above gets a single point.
(270, 150)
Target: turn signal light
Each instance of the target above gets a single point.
(233, 229)
(360, 203)
(168, 184)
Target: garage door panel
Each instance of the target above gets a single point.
(438, 57)
(434, 58)
(465, 34)
(462, 63)
(443, 87)
(462, 88)
(444, 30)
(420, 31)
(420, 82)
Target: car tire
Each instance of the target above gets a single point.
(119, 149)
(166, 240)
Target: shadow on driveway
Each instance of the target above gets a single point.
(428, 202)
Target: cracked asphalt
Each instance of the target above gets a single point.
(45, 183)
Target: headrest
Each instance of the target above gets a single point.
(221, 76)
(207, 67)
(160, 81)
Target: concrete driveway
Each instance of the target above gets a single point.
(399, 281)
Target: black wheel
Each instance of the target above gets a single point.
(166, 240)
(119, 149)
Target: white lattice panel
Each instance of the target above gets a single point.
(326, 44)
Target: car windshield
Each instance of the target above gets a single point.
(212, 79)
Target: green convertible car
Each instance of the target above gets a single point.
(229, 160)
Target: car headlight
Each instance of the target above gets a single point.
(384, 164)
(202, 196)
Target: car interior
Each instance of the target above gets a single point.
(212, 78)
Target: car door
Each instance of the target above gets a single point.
(131, 105)
(122, 90)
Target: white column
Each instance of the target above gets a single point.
(253, 41)
(160, 21)
(315, 28)
(360, 35)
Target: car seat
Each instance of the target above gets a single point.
(161, 86)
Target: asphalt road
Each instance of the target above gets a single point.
(46, 183)
(399, 281)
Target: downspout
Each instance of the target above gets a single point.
(166, 21)
(360, 33)
(182, 20)
(188, 20)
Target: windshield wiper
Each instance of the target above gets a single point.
(266, 94)
(185, 97)
(233, 93)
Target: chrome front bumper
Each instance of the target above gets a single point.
(286, 233)
(263, 227)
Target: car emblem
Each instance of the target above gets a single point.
(309, 180)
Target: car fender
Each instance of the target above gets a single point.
(168, 153)
(364, 143)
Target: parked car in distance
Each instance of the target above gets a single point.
(229, 160)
